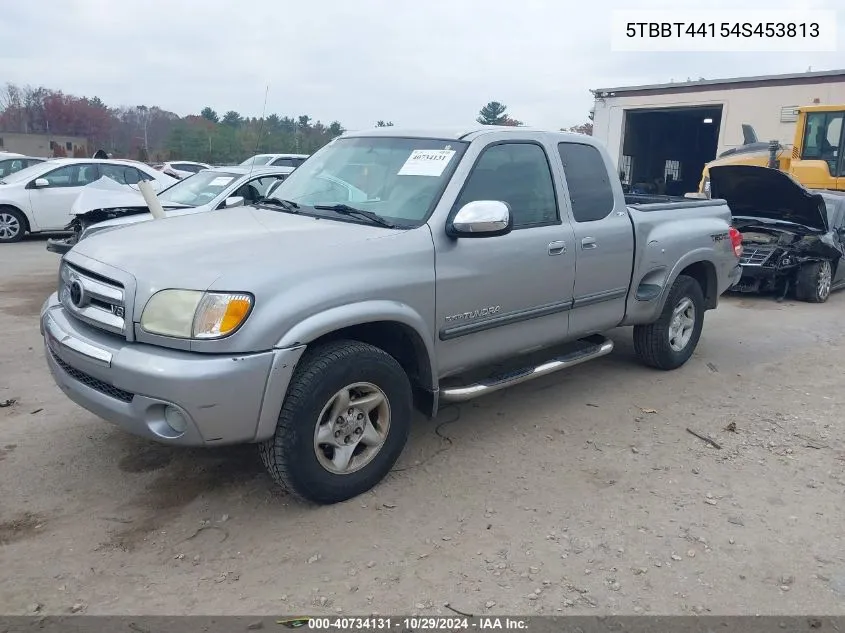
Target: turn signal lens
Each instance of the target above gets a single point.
(220, 314)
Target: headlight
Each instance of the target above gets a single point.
(195, 314)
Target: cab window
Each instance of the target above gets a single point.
(823, 138)
(72, 175)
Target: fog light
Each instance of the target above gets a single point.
(175, 420)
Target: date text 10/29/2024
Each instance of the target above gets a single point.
(722, 29)
(414, 623)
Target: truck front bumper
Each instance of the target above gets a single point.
(144, 389)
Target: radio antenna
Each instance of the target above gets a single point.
(260, 131)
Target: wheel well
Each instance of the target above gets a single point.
(26, 227)
(404, 344)
(705, 274)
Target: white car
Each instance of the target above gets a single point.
(101, 207)
(275, 160)
(10, 162)
(182, 168)
(39, 198)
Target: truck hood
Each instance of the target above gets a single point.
(192, 251)
(762, 192)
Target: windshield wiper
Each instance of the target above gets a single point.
(345, 209)
(288, 205)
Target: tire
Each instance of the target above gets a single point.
(653, 343)
(295, 456)
(814, 281)
(12, 225)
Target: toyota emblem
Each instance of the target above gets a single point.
(77, 293)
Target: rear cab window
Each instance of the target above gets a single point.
(587, 180)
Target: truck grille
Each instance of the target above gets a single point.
(94, 383)
(92, 298)
(755, 255)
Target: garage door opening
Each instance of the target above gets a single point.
(664, 150)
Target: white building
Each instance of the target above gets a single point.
(674, 129)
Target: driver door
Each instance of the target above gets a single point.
(498, 297)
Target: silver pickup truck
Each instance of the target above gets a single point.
(392, 272)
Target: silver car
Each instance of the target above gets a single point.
(209, 189)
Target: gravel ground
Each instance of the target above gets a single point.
(579, 493)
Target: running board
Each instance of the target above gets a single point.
(592, 347)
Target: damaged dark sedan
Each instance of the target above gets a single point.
(793, 237)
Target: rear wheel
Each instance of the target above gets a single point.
(12, 225)
(669, 342)
(814, 282)
(343, 425)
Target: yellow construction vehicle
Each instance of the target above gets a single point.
(816, 157)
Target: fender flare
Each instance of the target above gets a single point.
(360, 313)
(647, 311)
(698, 256)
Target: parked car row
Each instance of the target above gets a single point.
(38, 198)
(102, 207)
(37, 195)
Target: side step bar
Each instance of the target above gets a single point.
(598, 346)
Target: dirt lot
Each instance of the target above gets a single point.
(578, 493)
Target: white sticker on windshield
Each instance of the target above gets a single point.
(220, 181)
(427, 162)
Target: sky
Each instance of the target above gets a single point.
(431, 63)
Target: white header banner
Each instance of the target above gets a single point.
(720, 31)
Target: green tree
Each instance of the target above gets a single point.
(273, 123)
(494, 113)
(209, 115)
(232, 119)
(336, 129)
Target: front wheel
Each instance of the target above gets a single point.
(814, 282)
(343, 424)
(12, 225)
(669, 342)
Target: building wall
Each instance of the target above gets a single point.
(38, 145)
(760, 106)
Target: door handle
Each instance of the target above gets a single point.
(588, 242)
(556, 248)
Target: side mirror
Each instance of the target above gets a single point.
(481, 218)
(234, 201)
(40, 183)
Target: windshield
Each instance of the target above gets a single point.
(399, 179)
(198, 189)
(261, 159)
(27, 172)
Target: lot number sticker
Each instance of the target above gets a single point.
(427, 162)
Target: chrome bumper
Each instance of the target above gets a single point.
(225, 399)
